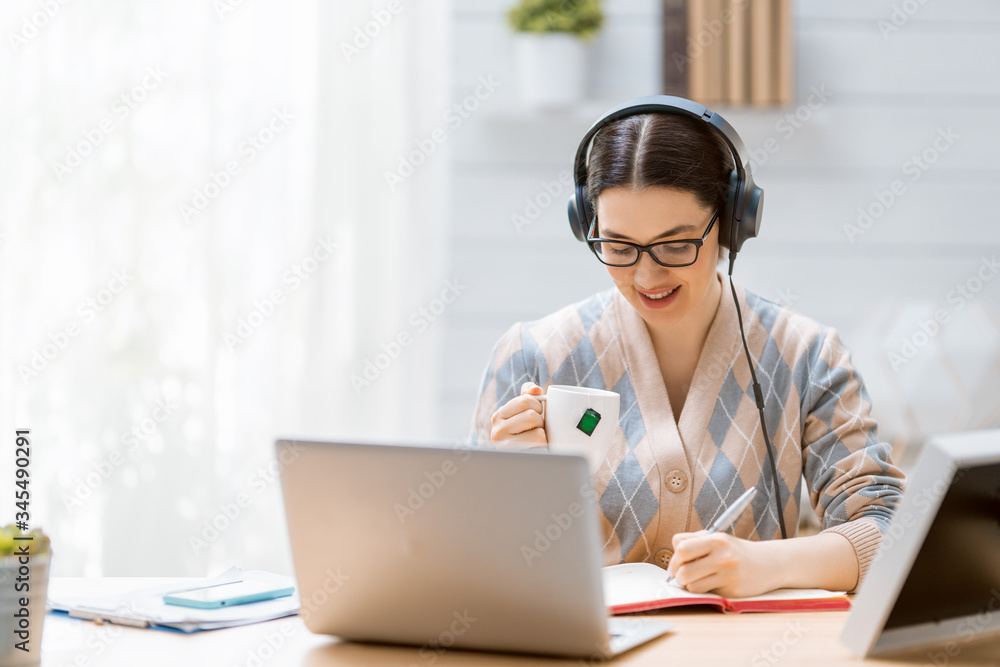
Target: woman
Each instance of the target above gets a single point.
(668, 340)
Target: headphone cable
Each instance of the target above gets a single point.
(759, 397)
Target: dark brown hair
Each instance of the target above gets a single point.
(660, 149)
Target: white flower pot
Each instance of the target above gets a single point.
(551, 69)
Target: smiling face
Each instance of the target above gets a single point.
(656, 214)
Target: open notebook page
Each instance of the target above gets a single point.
(632, 583)
(642, 586)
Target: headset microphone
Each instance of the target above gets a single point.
(739, 220)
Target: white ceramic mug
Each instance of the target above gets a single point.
(567, 421)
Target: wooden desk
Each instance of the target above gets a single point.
(701, 637)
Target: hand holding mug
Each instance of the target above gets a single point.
(518, 423)
(578, 420)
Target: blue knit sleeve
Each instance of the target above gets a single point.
(853, 484)
(505, 373)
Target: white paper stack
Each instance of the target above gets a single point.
(145, 608)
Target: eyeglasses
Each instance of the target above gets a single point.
(667, 253)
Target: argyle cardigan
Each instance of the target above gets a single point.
(661, 477)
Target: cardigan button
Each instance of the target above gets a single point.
(676, 480)
(663, 557)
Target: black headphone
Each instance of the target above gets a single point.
(740, 218)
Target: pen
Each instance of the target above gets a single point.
(100, 618)
(730, 516)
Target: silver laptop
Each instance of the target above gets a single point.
(443, 547)
(936, 578)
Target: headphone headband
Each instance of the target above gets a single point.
(741, 217)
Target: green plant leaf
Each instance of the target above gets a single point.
(8, 545)
(582, 18)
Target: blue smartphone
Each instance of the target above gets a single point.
(227, 595)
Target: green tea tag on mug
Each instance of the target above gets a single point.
(588, 422)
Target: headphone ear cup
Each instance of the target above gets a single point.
(750, 224)
(727, 236)
(577, 211)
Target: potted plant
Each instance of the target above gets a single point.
(550, 48)
(24, 579)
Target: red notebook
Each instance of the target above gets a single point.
(633, 587)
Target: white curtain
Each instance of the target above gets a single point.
(199, 247)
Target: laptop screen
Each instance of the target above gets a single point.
(957, 570)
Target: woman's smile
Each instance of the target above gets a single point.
(658, 298)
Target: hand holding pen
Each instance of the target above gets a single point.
(729, 517)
